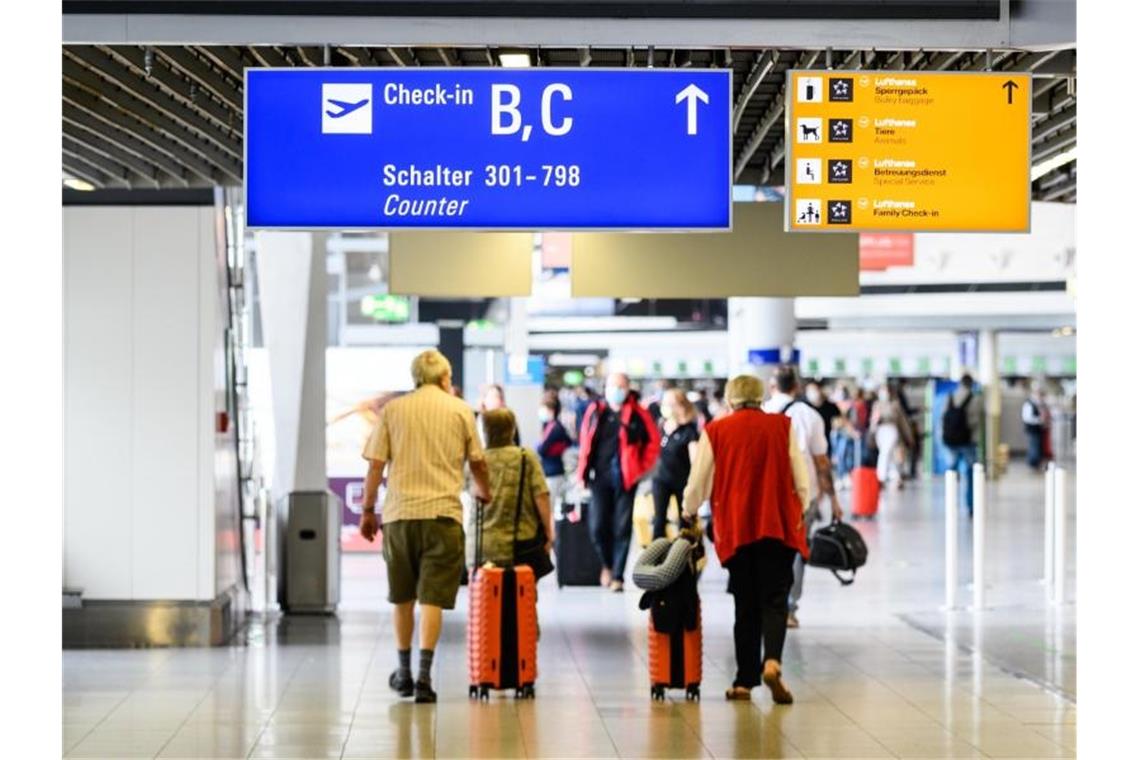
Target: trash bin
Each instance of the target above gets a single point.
(308, 576)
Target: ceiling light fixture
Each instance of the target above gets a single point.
(74, 183)
(1049, 164)
(514, 60)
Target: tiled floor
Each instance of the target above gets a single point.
(877, 670)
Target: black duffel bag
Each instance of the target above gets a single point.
(838, 547)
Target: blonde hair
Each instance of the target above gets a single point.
(744, 389)
(430, 367)
(681, 402)
(499, 427)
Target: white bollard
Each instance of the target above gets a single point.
(979, 537)
(1060, 526)
(951, 539)
(1049, 538)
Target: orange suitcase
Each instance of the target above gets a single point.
(864, 492)
(502, 631)
(502, 625)
(675, 659)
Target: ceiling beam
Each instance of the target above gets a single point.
(111, 168)
(267, 55)
(1052, 98)
(1053, 178)
(178, 128)
(228, 60)
(396, 56)
(446, 56)
(772, 161)
(311, 56)
(204, 74)
(156, 103)
(1052, 63)
(77, 167)
(761, 66)
(996, 59)
(1058, 143)
(98, 144)
(1060, 190)
(774, 113)
(178, 86)
(943, 61)
(1054, 124)
(159, 140)
(88, 129)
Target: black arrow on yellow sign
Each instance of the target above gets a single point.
(1009, 87)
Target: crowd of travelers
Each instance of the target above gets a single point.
(762, 466)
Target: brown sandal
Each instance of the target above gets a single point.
(775, 684)
(738, 693)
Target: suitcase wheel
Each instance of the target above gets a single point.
(693, 693)
(484, 693)
(525, 692)
(473, 692)
(657, 693)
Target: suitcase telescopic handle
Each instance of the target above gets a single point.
(479, 505)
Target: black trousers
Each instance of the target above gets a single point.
(611, 520)
(759, 578)
(661, 495)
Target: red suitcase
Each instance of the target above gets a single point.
(675, 659)
(864, 492)
(502, 625)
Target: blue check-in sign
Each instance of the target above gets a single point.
(491, 149)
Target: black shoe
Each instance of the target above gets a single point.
(401, 683)
(424, 694)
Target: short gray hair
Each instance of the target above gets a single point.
(429, 368)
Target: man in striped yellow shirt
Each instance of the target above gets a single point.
(424, 439)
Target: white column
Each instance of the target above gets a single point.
(1050, 514)
(979, 537)
(951, 506)
(292, 288)
(765, 325)
(990, 378)
(1060, 530)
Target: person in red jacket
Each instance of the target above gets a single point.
(618, 446)
(749, 466)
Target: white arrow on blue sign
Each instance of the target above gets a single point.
(445, 148)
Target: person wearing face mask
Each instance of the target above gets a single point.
(619, 445)
(678, 449)
(553, 444)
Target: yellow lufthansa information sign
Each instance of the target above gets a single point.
(907, 150)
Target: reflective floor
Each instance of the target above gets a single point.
(878, 670)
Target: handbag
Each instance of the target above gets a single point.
(532, 551)
(838, 547)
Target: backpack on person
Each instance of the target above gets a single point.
(956, 423)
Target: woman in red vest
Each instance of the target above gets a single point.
(751, 470)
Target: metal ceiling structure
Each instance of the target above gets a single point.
(171, 115)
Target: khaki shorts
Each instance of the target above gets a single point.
(425, 561)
